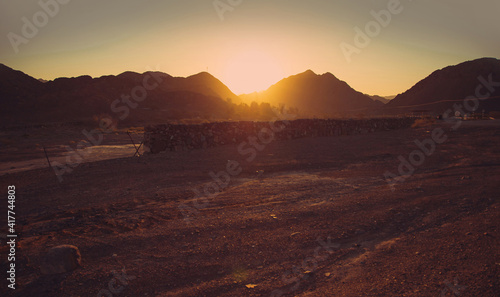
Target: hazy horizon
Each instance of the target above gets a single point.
(250, 45)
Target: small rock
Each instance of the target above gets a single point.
(61, 259)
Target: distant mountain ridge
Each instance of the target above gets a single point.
(384, 100)
(317, 95)
(202, 96)
(445, 87)
(23, 98)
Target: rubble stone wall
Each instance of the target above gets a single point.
(169, 137)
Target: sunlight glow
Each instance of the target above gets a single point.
(251, 71)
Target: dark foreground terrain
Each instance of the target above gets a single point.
(307, 217)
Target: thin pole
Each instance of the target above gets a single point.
(47, 156)
(133, 142)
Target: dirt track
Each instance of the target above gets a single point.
(318, 220)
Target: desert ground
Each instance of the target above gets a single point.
(307, 217)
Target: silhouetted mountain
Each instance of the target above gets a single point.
(443, 88)
(15, 86)
(207, 84)
(381, 99)
(122, 97)
(16, 91)
(135, 98)
(318, 95)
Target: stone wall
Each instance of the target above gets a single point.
(169, 137)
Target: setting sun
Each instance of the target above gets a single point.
(251, 71)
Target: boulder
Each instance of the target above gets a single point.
(61, 259)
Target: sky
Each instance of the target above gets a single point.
(378, 47)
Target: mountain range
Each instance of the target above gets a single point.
(317, 95)
(384, 99)
(452, 85)
(24, 99)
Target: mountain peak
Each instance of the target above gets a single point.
(309, 72)
(452, 83)
(212, 85)
(202, 75)
(317, 95)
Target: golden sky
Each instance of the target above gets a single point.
(249, 44)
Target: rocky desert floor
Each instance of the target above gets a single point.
(306, 217)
